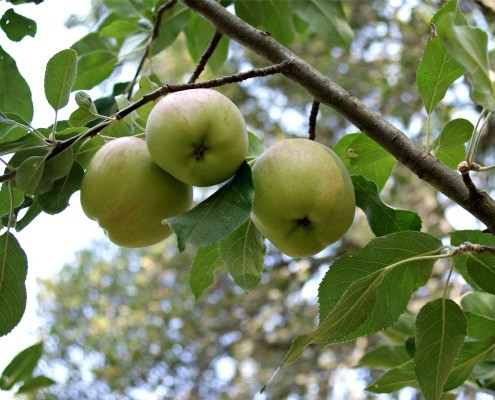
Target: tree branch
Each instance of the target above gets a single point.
(7, 176)
(324, 90)
(61, 145)
(235, 78)
(206, 56)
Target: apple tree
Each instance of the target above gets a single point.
(364, 291)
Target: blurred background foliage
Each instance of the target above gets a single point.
(123, 324)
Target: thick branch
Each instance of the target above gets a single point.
(405, 150)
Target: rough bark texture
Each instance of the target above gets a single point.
(405, 150)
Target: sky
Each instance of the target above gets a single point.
(49, 241)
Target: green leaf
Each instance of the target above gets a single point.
(362, 156)
(15, 94)
(84, 100)
(29, 174)
(96, 60)
(449, 145)
(278, 20)
(36, 174)
(86, 112)
(382, 219)
(176, 20)
(16, 2)
(123, 8)
(32, 212)
(480, 314)
(327, 18)
(401, 330)
(399, 282)
(479, 327)
(203, 269)
(134, 46)
(459, 237)
(470, 354)
(57, 199)
(5, 204)
(481, 267)
(13, 270)
(146, 85)
(59, 165)
(252, 12)
(198, 36)
(12, 127)
(243, 254)
(348, 314)
(17, 26)
(55, 168)
(256, 146)
(120, 28)
(106, 105)
(395, 379)
(440, 332)
(437, 69)
(88, 149)
(36, 383)
(272, 16)
(469, 46)
(122, 102)
(219, 215)
(383, 357)
(484, 370)
(60, 76)
(21, 367)
(81, 117)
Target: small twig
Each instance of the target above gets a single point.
(7, 176)
(312, 119)
(165, 89)
(154, 35)
(475, 139)
(473, 190)
(62, 145)
(464, 169)
(215, 39)
(468, 247)
(138, 72)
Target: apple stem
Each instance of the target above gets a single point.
(312, 119)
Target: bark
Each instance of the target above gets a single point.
(324, 90)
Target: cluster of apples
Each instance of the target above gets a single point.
(304, 198)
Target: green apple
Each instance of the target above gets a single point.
(199, 136)
(129, 195)
(304, 197)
